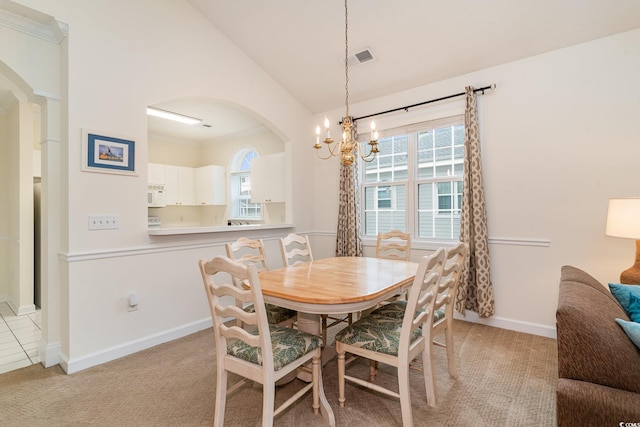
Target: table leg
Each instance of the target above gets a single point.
(309, 323)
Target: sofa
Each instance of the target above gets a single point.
(598, 365)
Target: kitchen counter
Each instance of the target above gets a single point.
(170, 231)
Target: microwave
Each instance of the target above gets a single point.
(156, 196)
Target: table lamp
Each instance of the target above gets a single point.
(623, 220)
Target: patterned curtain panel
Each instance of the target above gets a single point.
(475, 291)
(348, 242)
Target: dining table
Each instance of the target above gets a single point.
(334, 286)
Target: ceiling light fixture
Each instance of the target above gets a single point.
(348, 148)
(172, 116)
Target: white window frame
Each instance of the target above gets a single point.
(412, 181)
(237, 171)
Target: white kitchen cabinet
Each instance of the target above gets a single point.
(180, 185)
(155, 173)
(211, 185)
(268, 179)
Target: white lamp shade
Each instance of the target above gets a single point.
(623, 218)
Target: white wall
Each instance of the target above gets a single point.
(121, 58)
(557, 142)
(558, 139)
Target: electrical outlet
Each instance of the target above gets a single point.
(104, 222)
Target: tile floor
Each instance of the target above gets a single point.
(19, 339)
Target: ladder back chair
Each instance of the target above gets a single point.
(252, 252)
(396, 342)
(296, 249)
(266, 354)
(444, 306)
(394, 244)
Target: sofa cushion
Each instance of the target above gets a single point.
(629, 298)
(591, 346)
(632, 329)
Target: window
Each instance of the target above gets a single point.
(241, 206)
(415, 182)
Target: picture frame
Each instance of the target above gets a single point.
(108, 153)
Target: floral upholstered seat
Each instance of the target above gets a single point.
(288, 345)
(275, 314)
(395, 310)
(375, 333)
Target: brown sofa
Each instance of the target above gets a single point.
(598, 365)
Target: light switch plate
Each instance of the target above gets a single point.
(104, 222)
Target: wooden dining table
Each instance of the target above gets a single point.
(336, 285)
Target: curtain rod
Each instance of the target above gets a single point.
(406, 108)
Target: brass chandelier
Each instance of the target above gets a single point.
(348, 147)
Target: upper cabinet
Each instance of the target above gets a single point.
(155, 173)
(185, 186)
(268, 179)
(180, 185)
(211, 185)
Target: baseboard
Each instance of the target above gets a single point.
(49, 354)
(74, 365)
(510, 324)
(23, 309)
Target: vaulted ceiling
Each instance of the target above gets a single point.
(414, 42)
(300, 43)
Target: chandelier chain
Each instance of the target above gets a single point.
(346, 57)
(348, 147)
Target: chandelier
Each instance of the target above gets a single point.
(348, 147)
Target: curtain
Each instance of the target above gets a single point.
(475, 291)
(348, 242)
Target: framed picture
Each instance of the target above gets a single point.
(108, 153)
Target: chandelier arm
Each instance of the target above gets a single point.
(336, 147)
(368, 155)
(322, 157)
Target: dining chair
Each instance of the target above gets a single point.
(396, 342)
(444, 306)
(394, 244)
(252, 252)
(296, 249)
(266, 354)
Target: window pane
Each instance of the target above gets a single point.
(240, 186)
(391, 163)
(436, 158)
(385, 209)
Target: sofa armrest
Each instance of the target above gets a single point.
(584, 404)
(592, 347)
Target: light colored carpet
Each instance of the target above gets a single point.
(506, 378)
